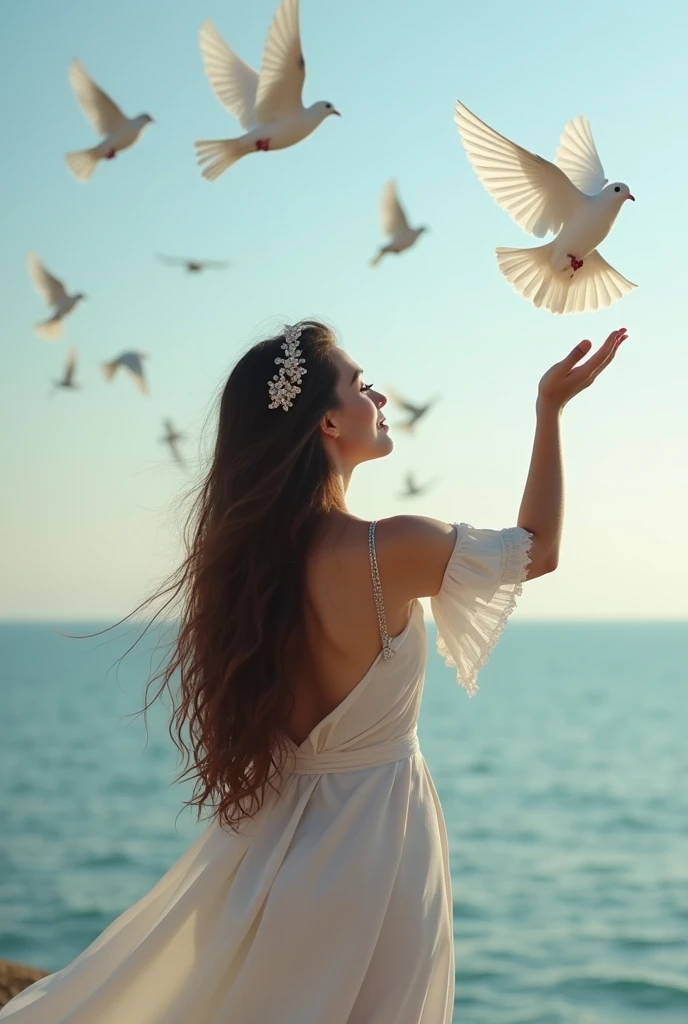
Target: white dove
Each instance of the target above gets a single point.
(394, 224)
(171, 438)
(570, 198)
(53, 292)
(108, 120)
(131, 361)
(268, 106)
(67, 379)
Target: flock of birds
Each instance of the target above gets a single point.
(570, 197)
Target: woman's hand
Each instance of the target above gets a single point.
(564, 380)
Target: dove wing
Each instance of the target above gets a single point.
(101, 111)
(402, 402)
(534, 192)
(283, 69)
(48, 287)
(172, 261)
(392, 216)
(578, 157)
(234, 83)
(132, 362)
(70, 365)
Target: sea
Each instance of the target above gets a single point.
(564, 784)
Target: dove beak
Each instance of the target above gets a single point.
(333, 111)
(629, 196)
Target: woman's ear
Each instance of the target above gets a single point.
(328, 426)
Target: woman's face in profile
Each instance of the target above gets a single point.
(357, 426)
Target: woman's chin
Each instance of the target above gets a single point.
(385, 443)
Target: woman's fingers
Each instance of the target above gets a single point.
(612, 352)
(604, 353)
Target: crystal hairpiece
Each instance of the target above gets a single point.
(284, 386)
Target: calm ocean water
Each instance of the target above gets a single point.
(563, 784)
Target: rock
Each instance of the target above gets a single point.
(15, 977)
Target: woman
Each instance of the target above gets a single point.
(320, 892)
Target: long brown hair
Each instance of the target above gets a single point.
(240, 585)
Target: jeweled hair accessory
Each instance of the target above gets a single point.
(284, 386)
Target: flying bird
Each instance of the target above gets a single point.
(268, 105)
(172, 439)
(193, 266)
(54, 294)
(412, 489)
(131, 361)
(67, 379)
(394, 224)
(570, 197)
(414, 412)
(119, 131)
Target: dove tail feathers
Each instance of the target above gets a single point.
(530, 272)
(593, 286)
(50, 329)
(216, 155)
(82, 163)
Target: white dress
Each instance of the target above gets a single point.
(333, 906)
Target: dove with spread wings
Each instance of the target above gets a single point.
(570, 197)
(54, 293)
(120, 132)
(268, 105)
(400, 235)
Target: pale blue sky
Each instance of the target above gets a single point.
(88, 517)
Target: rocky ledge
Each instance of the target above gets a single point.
(15, 977)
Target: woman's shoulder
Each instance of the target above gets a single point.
(413, 552)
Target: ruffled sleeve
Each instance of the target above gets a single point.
(482, 580)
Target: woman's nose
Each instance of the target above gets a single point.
(381, 400)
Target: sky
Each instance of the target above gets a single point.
(92, 505)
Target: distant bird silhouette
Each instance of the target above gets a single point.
(171, 438)
(67, 380)
(131, 361)
(54, 293)
(414, 489)
(415, 412)
(193, 266)
(400, 234)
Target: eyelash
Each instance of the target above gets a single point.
(367, 387)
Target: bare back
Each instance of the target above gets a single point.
(341, 626)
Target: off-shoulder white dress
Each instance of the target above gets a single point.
(333, 906)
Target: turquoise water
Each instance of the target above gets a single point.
(563, 784)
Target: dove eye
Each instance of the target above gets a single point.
(328, 106)
(616, 188)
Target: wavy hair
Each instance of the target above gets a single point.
(241, 583)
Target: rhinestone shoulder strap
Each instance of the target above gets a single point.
(387, 650)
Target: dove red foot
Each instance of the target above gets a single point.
(570, 198)
(268, 106)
